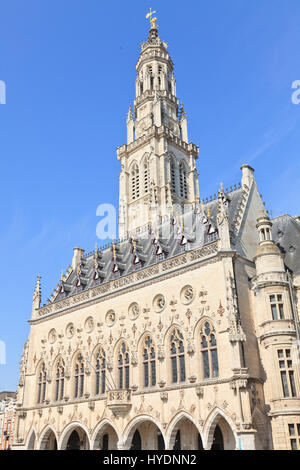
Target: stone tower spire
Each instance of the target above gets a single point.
(158, 165)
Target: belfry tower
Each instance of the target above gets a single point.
(158, 164)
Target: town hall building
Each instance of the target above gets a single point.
(184, 332)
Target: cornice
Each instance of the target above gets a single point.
(163, 270)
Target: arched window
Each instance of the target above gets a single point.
(79, 377)
(135, 182)
(60, 380)
(177, 356)
(149, 363)
(151, 77)
(173, 176)
(209, 352)
(100, 371)
(123, 366)
(146, 177)
(183, 182)
(42, 381)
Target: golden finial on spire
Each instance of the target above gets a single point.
(208, 212)
(152, 20)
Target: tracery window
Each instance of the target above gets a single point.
(146, 177)
(135, 182)
(60, 380)
(177, 356)
(79, 377)
(149, 363)
(123, 366)
(42, 382)
(100, 371)
(183, 181)
(209, 352)
(173, 177)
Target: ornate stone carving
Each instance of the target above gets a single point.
(199, 392)
(159, 303)
(52, 337)
(110, 318)
(187, 294)
(70, 330)
(89, 324)
(133, 311)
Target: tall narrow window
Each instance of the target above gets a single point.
(173, 177)
(149, 363)
(123, 366)
(42, 382)
(159, 76)
(100, 372)
(151, 77)
(209, 352)
(276, 306)
(177, 356)
(60, 380)
(135, 182)
(183, 182)
(79, 377)
(146, 177)
(286, 372)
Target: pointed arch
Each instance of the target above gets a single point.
(173, 172)
(147, 352)
(206, 340)
(82, 433)
(99, 362)
(41, 378)
(174, 426)
(145, 166)
(105, 427)
(78, 373)
(218, 417)
(134, 174)
(122, 359)
(48, 439)
(59, 369)
(183, 179)
(150, 433)
(31, 440)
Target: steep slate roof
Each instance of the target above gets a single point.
(286, 234)
(198, 231)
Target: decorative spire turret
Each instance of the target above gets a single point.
(37, 296)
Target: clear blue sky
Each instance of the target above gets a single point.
(69, 67)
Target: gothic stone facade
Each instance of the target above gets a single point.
(183, 340)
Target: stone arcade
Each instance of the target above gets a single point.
(183, 333)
